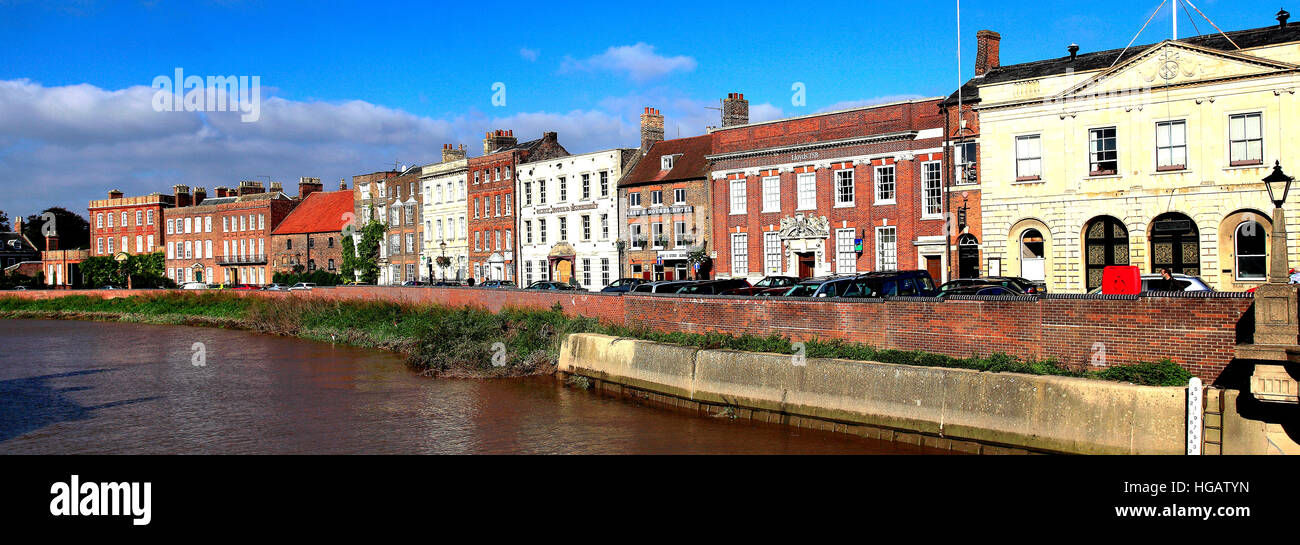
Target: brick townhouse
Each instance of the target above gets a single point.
(962, 166)
(128, 224)
(224, 239)
(833, 193)
(664, 203)
(310, 235)
(491, 196)
(400, 205)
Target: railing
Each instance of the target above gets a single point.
(241, 260)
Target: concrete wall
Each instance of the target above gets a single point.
(1049, 414)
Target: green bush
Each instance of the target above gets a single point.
(1161, 373)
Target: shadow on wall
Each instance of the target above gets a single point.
(31, 403)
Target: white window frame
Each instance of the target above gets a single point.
(772, 256)
(805, 190)
(1245, 139)
(772, 193)
(878, 183)
(739, 254)
(738, 196)
(839, 176)
(1029, 160)
(846, 257)
(1172, 166)
(887, 252)
(935, 169)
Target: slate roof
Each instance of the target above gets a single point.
(320, 212)
(691, 165)
(1101, 60)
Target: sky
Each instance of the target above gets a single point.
(354, 87)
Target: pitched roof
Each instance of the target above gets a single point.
(1101, 60)
(689, 166)
(320, 212)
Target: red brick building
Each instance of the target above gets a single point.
(310, 236)
(664, 205)
(128, 224)
(962, 127)
(223, 240)
(835, 193)
(400, 205)
(492, 219)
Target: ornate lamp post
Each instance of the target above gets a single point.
(1278, 185)
(442, 262)
(1277, 313)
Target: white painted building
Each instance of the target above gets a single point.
(445, 231)
(568, 218)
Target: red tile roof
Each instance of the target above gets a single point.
(320, 212)
(689, 166)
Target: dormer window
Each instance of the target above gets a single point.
(666, 162)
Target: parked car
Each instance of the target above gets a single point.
(662, 286)
(714, 287)
(244, 287)
(977, 289)
(623, 285)
(411, 283)
(825, 286)
(303, 286)
(552, 285)
(915, 283)
(275, 287)
(498, 284)
(1005, 282)
(1180, 282)
(185, 286)
(767, 283)
(449, 283)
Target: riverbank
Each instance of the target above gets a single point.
(470, 342)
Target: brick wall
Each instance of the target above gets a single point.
(1198, 333)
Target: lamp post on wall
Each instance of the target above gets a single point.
(1278, 185)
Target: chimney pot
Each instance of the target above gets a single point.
(735, 110)
(1282, 17)
(1074, 51)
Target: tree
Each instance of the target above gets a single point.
(73, 230)
(347, 269)
(367, 264)
(4, 221)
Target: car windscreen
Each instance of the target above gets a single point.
(804, 290)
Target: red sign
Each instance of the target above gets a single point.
(1121, 280)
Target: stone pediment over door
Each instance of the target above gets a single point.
(804, 227)
(1175, 63)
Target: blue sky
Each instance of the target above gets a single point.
(352, 87)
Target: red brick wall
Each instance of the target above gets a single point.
(1197, 333)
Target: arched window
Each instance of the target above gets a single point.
(1033, 256)
(968, 256)
(1250, 242)
(1105, 243)
(1175, 245)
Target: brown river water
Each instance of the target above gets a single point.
(85, 387)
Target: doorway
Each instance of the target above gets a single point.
(563, 271)
(968, 256)
(1033, 259)
(807, 264)
(934, 266)
(1175, 245)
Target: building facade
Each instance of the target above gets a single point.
(129, 224)
(1152, 156)
(491, 194)
(836, 193)
(224, 240)
(16, 248)
(399, 204)
(309, 238)
(568, 217)
(446, 227)
(664, 205)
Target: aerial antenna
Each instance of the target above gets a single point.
(1216, 27)
(1144, 27)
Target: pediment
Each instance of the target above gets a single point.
(1176, 63)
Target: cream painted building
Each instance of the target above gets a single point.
(568, 218)
(1152, 157)
(445, 205)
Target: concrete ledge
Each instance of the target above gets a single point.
(1038, 413)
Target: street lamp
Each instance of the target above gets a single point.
(1278, 185)
(441, 264)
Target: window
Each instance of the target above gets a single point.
(586, 186)
(543, 269)
(586, 227)
(885, 184)
(932, 189)
(139, 244)
(679, 195)
(225, 224)
(637, 241)
(509, 204)
(844, 188)
(739, 254)
(564, 229)
(680, 238)
(564, 189)
(656, 198)
(410, 243)
(1102, 155)
(966, 157)
(478, 240)
(634, 199)
(541, 192)
(846, 256)
(666, 162)
(528, 193)
(207, 248)
(497, 238)
(331, 265)
(528, 273)
(497, 174)
(738, 196)
(1245, 139)
(1029, 158)
(99, 247)
(886, 248)
(149, 242)
(123, 218)
(99, 222)
(586, 271)
(509, 241)
(772, 194)
(528, 232)
(496, 205)
(657, 235)
(604, 183)
(189, 250)
(772, 252)
(110, 220)
(806, 191)
(139, 218)
(1171, 145)
(476, 207)
(541, 230)
(1251, 242)
(604, 226)
(476, 183)
(604, 271)
(207, 224)
(170, 229)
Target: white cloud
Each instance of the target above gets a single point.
(528, 54)
(638, 62)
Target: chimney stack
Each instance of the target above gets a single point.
(182, 193)
(652, 128)
(735, 110)
(277, 187)
(200, 194)
(451, 153)
(343, 184)
(551, 137)
(115, 194)
(52, 242)
(307, 186)
(221, 191)
(18, 224)
(988, 43)
(1074, 51)
(498, 139)
(248, 187)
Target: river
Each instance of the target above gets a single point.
(108, 388)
